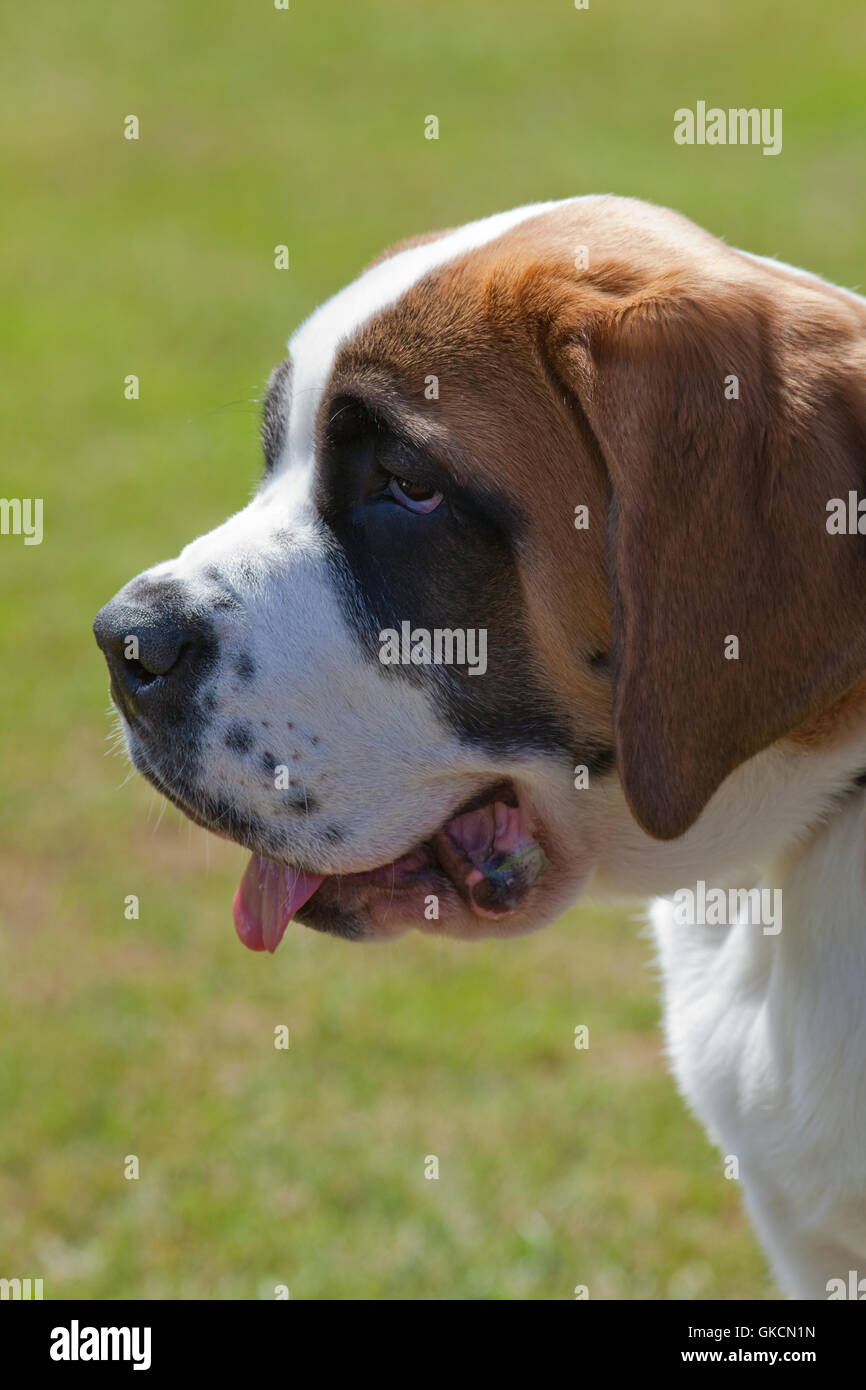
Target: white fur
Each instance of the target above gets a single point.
(767, 1033)
(767, 1036)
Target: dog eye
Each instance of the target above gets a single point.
(416, 497)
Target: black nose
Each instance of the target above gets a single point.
(153, 643)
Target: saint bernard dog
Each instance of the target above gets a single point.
(609, 442)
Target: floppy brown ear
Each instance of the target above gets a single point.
(737, 615)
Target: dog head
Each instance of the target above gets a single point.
(470, 644)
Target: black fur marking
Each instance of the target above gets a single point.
(596, 759)
(226, 598)
(452, 568)
(239, 738)
(245, 667)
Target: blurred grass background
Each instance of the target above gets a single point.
(155, 1037)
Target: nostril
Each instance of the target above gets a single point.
(139, 673)
(158, 653)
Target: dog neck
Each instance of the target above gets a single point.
(767, 814)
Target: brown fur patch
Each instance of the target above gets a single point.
(562, 384)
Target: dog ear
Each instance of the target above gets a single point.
(728, 419)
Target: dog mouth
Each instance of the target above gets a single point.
(487, 850)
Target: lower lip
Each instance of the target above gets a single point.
(386, 877)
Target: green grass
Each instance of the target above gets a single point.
(155, 1037)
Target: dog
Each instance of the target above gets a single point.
(618, 448)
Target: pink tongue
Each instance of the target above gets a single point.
(267, 899)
